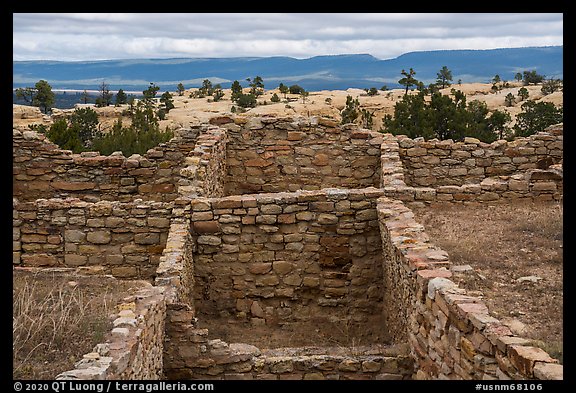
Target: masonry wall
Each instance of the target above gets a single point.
(289, 154)
(527, 182)
(451, 333)
(204, 170)
(133, 349)
(287, 257)
(42, 170)
(189, 354)
(437, 163)
(125, 239)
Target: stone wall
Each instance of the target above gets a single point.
(205, 167)
(526, 182)
(189, 354)
(133, 349)
(451, 333)
(289, 154)
(125, 239)
(437, 163)
(42, 170)
(288, 257)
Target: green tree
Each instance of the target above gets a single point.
(367, 118)
(105, 97)
(217, 93)
(180, 89)
(531, 77)
(121, 97)
(497, 123)
(295, 89)
(441, 117)
(44, 96)
(351, 111)
(167, 101)
(410, 118)
(150, 92)
(256, 86)
(236, 90)
(408, 79)
(518, 76)
(84, 122)
(384, 88)
(26, 94)
(206, 89)
(444, 76)
(246, 100)
(373, 91)
(275, 98)
(304, 95)
(66, 138)
(143, 133)
(509, 100)
(283, 89)
(496, 79)
(536, 116)
(523, 93)
(550, 86)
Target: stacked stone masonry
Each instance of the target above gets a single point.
(125, 239)
(289, 154)
(42, 170)
(133, 349)
(290, 257)
(539, 177)
(437, 163)
(450, 333)
(163, 217)
(189, 354)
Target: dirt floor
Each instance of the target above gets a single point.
(58, 317)
(320, 332)
(516, 252)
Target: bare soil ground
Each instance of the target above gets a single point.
(319, 332)
(516, 251)
(57, 318)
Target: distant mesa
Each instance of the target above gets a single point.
(338, 72)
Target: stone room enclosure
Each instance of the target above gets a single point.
(275, 225)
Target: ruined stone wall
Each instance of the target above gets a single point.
(42, 170)
(451, 333)
(528, 182)
(125, 239)
(437, 163)
(189, 354)
(289, 154)
(286, 257)
(133, 349)
(204, 172)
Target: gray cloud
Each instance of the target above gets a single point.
(151, 35)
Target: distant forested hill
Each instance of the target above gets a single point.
(336, 72)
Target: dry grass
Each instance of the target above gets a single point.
(57, 319)
(504, 242)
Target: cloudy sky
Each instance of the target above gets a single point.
(301, 35)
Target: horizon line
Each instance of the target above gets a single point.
(275, 56)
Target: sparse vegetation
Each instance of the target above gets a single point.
(503, 243)
(105, 96)
(351, 111)
(444, 76)
(408, 81)
(536, 116)
(41, 95)
(56, 320)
